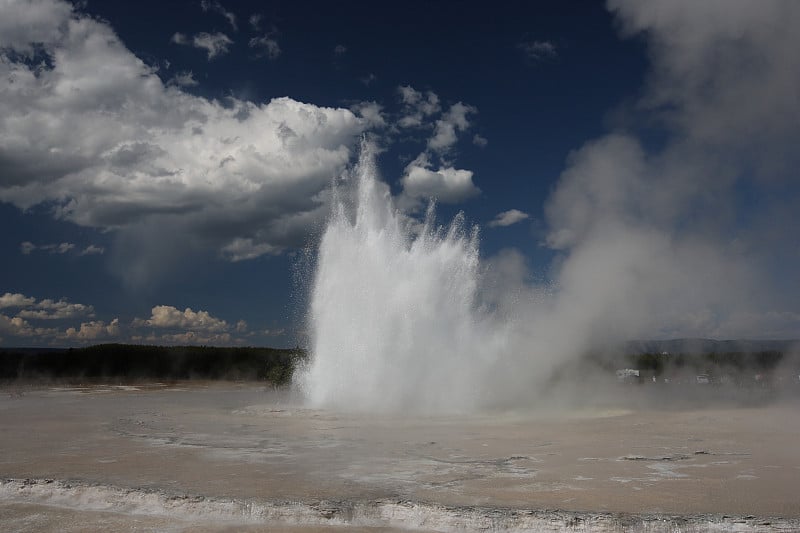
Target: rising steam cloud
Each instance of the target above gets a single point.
(691, 236)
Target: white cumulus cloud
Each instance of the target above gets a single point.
(19, 327)
(99, 136)
(46, 309)
(421, 181)
(16, 300)
(507, 218)
(23, 25)
(94, 330)
(447, 184)
(215, 44)
(167, 316)
(479, 140)
(447, 128)
(372, 112)
(416, 106)
(56, 310)
(29, 309)
(170, 325)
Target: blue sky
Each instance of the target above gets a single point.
(165, 167)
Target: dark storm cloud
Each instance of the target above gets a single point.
(215, 44)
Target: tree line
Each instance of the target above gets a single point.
(730, 362)
(132, 362)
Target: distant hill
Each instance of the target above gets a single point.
(707, 346)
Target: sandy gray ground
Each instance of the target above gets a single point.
(242, 458)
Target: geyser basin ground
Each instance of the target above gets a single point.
(238, 456)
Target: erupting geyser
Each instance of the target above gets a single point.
(394, 319)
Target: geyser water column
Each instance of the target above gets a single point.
(393, 312)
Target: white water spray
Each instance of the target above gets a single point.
(394, 318)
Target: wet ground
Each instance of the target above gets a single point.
(239, 457)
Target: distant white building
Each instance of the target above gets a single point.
(625, 375)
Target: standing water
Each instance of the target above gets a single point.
(394, 319)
